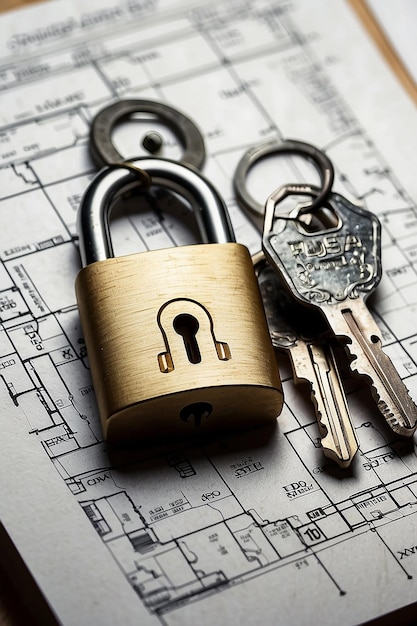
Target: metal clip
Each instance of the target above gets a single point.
(311, 213)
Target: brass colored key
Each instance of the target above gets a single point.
(335, 266)
(312, 359)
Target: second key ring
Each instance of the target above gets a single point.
(256, 210)
(103, 151)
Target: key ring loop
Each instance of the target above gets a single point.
(323, 164)
(103, 151)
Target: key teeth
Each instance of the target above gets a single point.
(389, 416)
(397, 425)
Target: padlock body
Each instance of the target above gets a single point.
(177, 342)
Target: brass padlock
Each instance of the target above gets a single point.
(176, 338)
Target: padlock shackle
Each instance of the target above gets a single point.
(93, 216)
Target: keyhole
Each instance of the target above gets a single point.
(187, 326)
(197, 411)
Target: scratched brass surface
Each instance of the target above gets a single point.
(122, 300)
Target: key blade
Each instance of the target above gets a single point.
(295, 333)
(316, 364)
(371, 362)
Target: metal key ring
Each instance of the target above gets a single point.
(277, 146)
(103, 151)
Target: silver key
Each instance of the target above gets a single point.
(335, 266)
(313, 361)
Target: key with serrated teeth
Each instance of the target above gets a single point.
(334, 265)
(313, 361)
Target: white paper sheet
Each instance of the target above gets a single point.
(252, 528)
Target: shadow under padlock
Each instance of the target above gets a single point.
(177, 338)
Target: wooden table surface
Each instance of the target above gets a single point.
(7, 5)
(12, 611)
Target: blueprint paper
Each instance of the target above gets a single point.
(256, 527)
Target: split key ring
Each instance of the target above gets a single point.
(256, 210)
(103, 151)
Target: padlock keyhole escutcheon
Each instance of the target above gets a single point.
(187, 329)
(171, 353)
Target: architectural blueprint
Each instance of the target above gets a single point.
(248, 528)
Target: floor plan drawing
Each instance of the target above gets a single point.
(250, 523)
